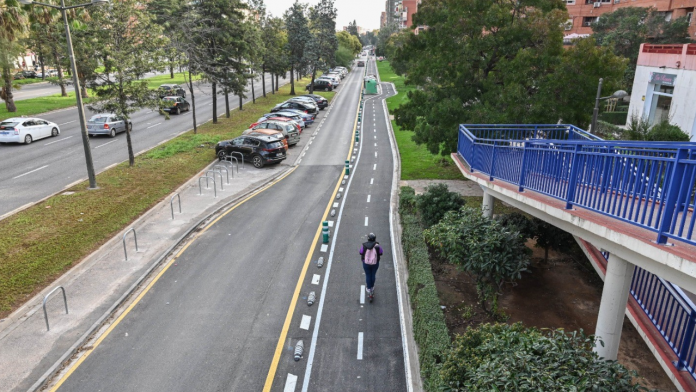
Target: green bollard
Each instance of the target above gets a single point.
(325, 231)
(347, 168)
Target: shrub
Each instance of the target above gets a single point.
(482, 247)
(666, 132)
(436, 202)
(616, 118)
(548, 236)
(515, 221)
(407, 200)
(503, 357)
(637, 128)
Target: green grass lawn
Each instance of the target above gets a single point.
(34, 106)
(417, 163)
(23, 82)
(42, 242)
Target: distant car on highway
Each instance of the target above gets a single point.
(259, 150)
(361, 63)
(107, 124)
(171, 90)
(175, 105)
(26, 130)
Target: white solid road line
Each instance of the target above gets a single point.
(102, 145)
(360, 346)
(290, 383)
(366, 220)
(29, 172)
(306, 320)
(65, 138)
(69, 122)
(152, 126)
(362, 295)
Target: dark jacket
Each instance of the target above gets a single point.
(370, 245)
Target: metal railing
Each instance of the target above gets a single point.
(648, 185)
(65, 301)
(171, 203)
(135, 237)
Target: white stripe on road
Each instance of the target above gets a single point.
(324, 247)
(65, 138)
(306, 320)
(366, 220)
(374, 167)
(360, 346)
(29, 172)
(375, 154)
(362, 295)
(372, 181)
(316, 278)
(368, 198)
(331, 223)
(335, 205)
(69, 122)
(152, 126)
(102, 145)
(290, 383)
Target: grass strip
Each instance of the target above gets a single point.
(429, 327)
(42, 242)
(417, 163)
(34, 106)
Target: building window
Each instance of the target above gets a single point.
(689, 15)
(570, 2)
(606, 1)
(661, 103)
(588, 20)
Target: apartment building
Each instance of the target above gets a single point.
(401, 12)
(585, 12)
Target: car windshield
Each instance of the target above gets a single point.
(8, 124)
(99, 120)
(166, 87)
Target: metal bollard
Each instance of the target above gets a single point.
(320, 262)
(299, 350)
(347, 168)
(325, 232)
(311, 298)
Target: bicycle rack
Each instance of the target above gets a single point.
(220, 168)
(231, 166)
(236, 162)
(222, 188)
(171, 203)
(241, 157)
(200, 189)
(65, 300)
(135, 237)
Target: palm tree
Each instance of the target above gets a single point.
(12, 28)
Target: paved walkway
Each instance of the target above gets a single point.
(104, 279)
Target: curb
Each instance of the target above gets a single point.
(138, 283)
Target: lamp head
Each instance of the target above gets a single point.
(26, 2)
(619, 94)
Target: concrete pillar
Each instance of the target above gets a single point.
(612, 308)
(487, 206)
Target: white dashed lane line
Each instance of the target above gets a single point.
(65, 138)
(360, 346)
(368, 198)
(102, 145)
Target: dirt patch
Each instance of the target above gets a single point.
(560, 293)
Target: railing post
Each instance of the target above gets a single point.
(684, 353)
(524, 162)
(171, 203)
(135, 237)
(673, 189)
(490, 176)
(65, 301)
(572, 180)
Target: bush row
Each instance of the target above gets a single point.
(429, 326)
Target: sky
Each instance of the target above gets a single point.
(365, 12)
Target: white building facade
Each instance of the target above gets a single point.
(664, 86)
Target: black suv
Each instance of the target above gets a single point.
(171, 90)
(259, 150)
(307, 108)
(321, 102)
(320, 85)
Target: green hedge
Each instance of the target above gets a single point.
(429, 326)
(616, 118)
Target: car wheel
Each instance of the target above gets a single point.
(177, 111)
(112, 133)
(257, 161)
(54, 132)
(221, 155)
(27, 139)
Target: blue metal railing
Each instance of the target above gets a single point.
(649, 185)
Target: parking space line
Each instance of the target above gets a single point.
(360, 346)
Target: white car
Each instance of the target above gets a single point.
(26, 130)
(333, 79)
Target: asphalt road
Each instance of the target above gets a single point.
(217, 320)
(32, 172)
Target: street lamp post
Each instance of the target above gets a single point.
(76, 82)
(617, 95)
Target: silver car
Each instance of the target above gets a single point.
(289, 130)
(107, 124)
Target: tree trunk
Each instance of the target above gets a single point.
(61, 82)
(7, 95)
(292, 80)
(193, 102)
(171, 69)
(311, 84)
(241, 104)
(253, 93)
(83, 89)
(227, 103)
(131, 156)
(272, 83)
(215, 103)
(277, 87)
(263, 80)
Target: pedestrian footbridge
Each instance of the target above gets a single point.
(630, 205)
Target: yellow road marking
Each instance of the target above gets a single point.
(159, 275)
(293, 303)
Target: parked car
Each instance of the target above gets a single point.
(26, 130)
(52, 73)
(175, 105)
(271, 132)
(321, 102)
(171, 90)
(295, 105)
(289, 130)
(308, 118)
(320, 84)
(303, 99)
(361, 63)
(107, 124)
(336, 74)
(336, 80)
(259, 150)
(274, 116)
(291, 115)
(29, 74)
(18, 76)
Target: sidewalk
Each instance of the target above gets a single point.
(101, 282)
